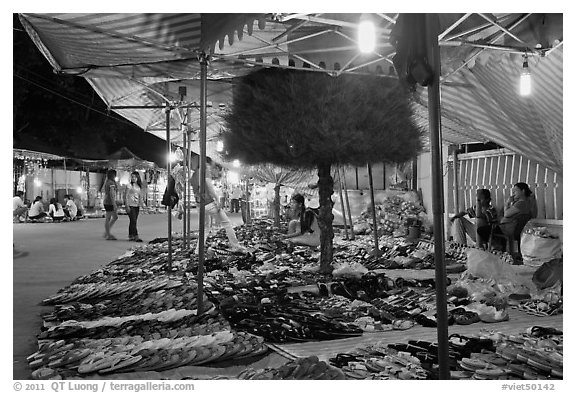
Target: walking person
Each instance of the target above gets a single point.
(110, 187)
(213, 208)
(133, 200)
(235, 199)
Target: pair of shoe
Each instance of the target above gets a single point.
(135, 239)
(110, 237)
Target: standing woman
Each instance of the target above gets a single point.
(109, 202)
(133, 200)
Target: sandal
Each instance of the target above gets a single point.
(402, 324)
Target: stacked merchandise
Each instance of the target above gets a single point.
(132, 315)
(536, 354)
(309, 368)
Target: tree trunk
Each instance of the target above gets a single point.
(277, 206)
(325, 191)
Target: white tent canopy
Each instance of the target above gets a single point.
(142, 60)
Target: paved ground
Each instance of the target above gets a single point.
(57, 254)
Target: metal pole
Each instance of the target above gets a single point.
(65, 176)
(189, 159)
(437, 192)
(185, 194)
(352, 237)
(341, 195)
(374, 219)
(168, 144)
(202, 180)
(456, 173)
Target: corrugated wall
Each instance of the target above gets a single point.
(498, 171)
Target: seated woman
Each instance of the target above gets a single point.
(303, 228)
(36, 211)
(519, 209)
(485, 215)
(55, 210)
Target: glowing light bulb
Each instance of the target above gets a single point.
(525, 79)
(79, 190)
(236, 163)
(366, 36)
(219, 146)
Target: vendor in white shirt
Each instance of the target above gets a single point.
(19, 209)
(70, 208)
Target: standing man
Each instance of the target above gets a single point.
(110, 187)
(19, 209)
(235, 199)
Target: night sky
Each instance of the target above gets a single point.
(61, 114)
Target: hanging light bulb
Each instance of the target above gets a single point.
(366, 34)
(236, 163)
(525, 78)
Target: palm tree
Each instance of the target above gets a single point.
(307, 120)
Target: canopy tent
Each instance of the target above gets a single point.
(145, 61)
(123, 159)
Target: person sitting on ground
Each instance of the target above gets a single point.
(485, 215)
(79, 207)
(309, 232)
(55, 210)
(70, 208)
(519, 209)
(36, 211)
(19, 209)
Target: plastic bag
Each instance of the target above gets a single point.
(548, 274)
(346, 269)
(537, 249)
(487, 265)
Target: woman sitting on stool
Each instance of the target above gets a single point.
(519, 209)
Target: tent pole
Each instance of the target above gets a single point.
(202, 176)
(168, 144)
(374, 220)
(456, 174)
(65, 176)
(352, 237)
(341, 195)
(433, 55)
(185, 194)
(189, 159)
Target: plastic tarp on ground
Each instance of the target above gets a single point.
(145, 61)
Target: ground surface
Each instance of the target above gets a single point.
(57, 254)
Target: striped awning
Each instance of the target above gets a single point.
(142, 59)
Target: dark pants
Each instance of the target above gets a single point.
(133, 216)
(234, 205)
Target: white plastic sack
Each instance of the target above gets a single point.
(537, 250)
(346, 269)
(487, 265)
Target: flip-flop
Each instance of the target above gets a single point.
(45, 373)
(402, 324)
(120, 362)
(70, 357)
(216, 352)
(94, 363)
